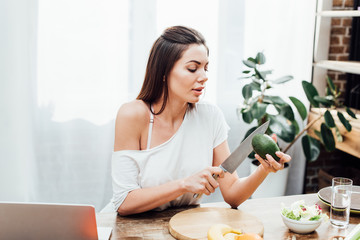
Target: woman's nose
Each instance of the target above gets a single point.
(203, 77)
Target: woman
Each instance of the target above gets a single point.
(168, 144)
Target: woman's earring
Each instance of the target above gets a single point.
(164, 79)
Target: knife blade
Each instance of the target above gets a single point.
(242, 151)
(232, 162)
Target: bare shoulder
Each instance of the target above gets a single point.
(131, 119)
(135, 110)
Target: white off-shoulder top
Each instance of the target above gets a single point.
(187, 152)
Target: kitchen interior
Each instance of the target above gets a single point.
(72, 134)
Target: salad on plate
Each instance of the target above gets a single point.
(301, 212)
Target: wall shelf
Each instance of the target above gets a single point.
(350, 143)
(321, 62)
(343, 13)
(342, 66)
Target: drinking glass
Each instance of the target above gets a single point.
(340, 202)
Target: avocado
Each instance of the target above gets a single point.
(263, 144)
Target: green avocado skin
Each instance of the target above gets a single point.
(263, 144)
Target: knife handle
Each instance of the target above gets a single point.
(198, 195)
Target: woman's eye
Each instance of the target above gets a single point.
(192, 70)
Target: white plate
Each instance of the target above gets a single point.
(325, 196)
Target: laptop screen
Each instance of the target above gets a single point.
(47, 221)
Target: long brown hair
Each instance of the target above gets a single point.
(167, 49)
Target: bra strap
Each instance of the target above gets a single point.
(150, 127)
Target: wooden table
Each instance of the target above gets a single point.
(154, 225)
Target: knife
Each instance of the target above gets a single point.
(239, 154)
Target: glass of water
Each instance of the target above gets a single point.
(340, 202)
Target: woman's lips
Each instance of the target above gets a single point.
(198, 91)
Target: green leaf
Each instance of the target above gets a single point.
(311, 148)
(260, 58)
(310, 92)
(251, 155)
(255, 78)
(351, 113)
(276, 100)
(300, 107)
(258, 110)
(259, 74)
(315, 218)
(264, 73)
(324, 101)
(327, 137)
(247, 91)
(249, 64)
(328, 91)
(252, 60)
(256, 86)
(345, 122)
(339, 137)
(279, 125)
(246, 71)
(244, 77)
(329, 120)
(247, 116)
(283, 79)
(296, 125)
(252, 101)
(286, 111)
(249, 132)
(331, 85)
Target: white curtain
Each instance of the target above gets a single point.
(17, 98)
(82, 80)
(63, 77)
(67, 66)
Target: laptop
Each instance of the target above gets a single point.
(42, 221)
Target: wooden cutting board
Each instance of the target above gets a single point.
(195, 223)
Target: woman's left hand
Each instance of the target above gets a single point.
(270, 165)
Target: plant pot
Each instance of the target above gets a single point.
(274, 184)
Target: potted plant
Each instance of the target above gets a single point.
(259, 106)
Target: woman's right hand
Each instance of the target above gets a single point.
(203, 181)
